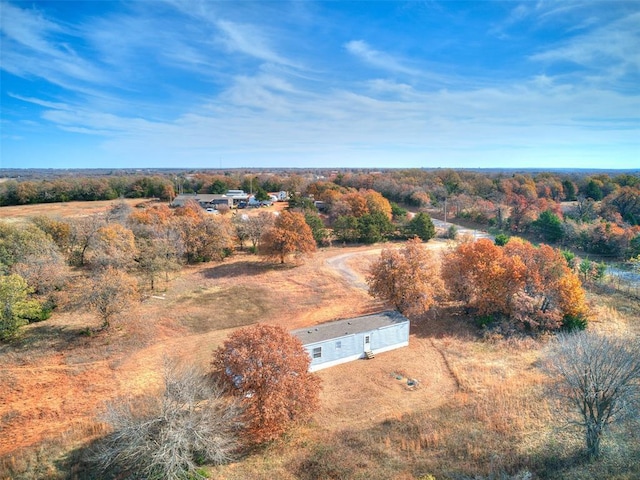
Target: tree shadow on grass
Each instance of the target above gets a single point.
(243, 269)
(445, 321)
(43, 336)
(79, 464)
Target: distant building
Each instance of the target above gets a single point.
(205, 200)
(281, 196)
(238, 196)
(342, 341)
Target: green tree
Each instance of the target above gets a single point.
(569, 190)
(398, 212)
(422, 226)
(218, 186)
(345, 228)
(501, 239)
(549, 226)
(16, 309)
(298, 202)
(320, 233)
(593, 190)
(374, 227)
(261, 195)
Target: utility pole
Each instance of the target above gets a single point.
(445, 209)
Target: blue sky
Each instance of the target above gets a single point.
(210, 84)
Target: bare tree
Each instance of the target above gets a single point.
(111, 292)
(118, 212)
(599, 376)
(83, 230)
(257, 225)
(168, 435)
(112, 245)
(160, 250)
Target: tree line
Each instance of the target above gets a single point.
(595, 213)
(68, 189)
(526, 288)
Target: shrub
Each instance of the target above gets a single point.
(169, 435)
(501, 239)
(574, 322)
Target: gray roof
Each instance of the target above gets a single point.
(198, 197)
(349, 326)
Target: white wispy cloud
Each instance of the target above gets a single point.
(250, 41)
(31, 49)
(612, 47)
(205, 81)
(28, 28)
(40, 102)
(523, 116)
(378, 59)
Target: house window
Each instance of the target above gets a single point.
(338, 344)
(317, 352)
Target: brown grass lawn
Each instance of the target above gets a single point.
(20, 213)
(479, 408)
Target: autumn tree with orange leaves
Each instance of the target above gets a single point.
(267, 369)
(550, 292)
(407, 278)
(480, 275)
(532, 287)
(204, 238)
(290, 235)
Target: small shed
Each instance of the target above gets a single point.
(341, 341)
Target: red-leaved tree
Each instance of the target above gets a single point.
(407, 278)
(267, 368)
(290, 235)
(531, 286)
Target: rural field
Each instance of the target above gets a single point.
(479, 410)
(18, 213)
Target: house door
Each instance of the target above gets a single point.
(367, 343)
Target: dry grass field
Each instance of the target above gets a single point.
(19, 213)
(479, 411)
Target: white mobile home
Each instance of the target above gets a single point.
(341, 341)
